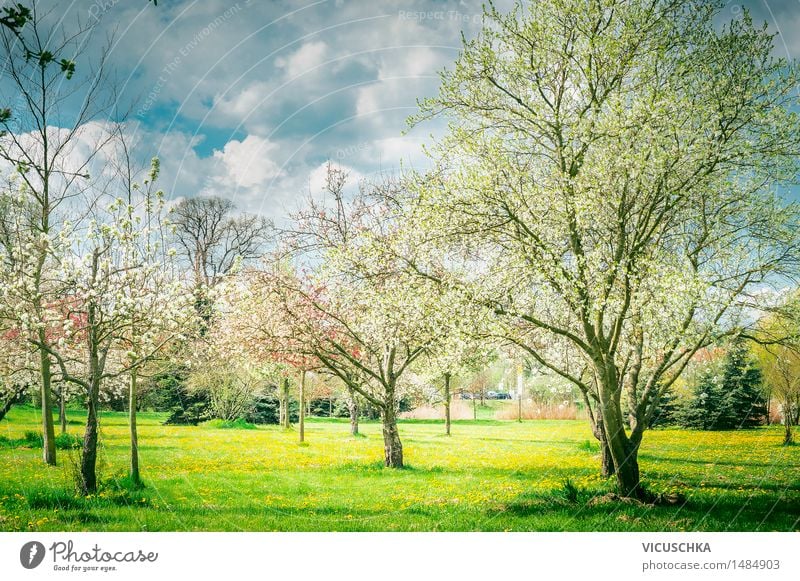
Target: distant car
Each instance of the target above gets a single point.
(491, 395)
(502, 395)
(466, 396)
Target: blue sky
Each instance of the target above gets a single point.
(249, 99)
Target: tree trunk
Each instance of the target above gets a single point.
(474, 407)
(624, 455)
(136, 479)
(286, 418)
(788, 436)
(606, 461)
(769, 406)
(89, 452)
(392, 447)
(281, 406)
(623, 451)
(302, 417)
(519, 393)
(48, 429)
(447, 403)
(62, 408)
(596, 422)
(352, 406)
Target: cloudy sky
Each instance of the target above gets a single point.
(249, 99)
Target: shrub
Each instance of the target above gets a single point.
(68, 442)
(35, 440)
(192, 413)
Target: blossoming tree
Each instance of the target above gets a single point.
(609, 176)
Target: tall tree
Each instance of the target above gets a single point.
(744, 404)
(123, 304)
(50, 108)
(609, 174)
(214, 239)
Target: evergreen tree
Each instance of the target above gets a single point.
(728, 398)
(666, 410)
(742, 404)
(701, 410)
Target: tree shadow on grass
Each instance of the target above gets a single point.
(666, 459)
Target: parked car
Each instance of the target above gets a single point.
(502, 395)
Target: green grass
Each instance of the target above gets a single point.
(489, 476)
(238, 424)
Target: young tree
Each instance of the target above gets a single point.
(609, 176)
(252, 326)
(778, 351)
(453, 356)
(147, 335)
(125, 304)
(354, 307)
(39, 134)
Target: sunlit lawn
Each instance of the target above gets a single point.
(488, 475)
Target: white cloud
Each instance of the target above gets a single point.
(242, 104)
(247, 163)
(306, 58)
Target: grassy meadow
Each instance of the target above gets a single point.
(489, 475)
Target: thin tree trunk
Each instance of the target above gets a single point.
(769, 405)
(447, 403)
(281, 405)
(286, 423)
(474, 407)
(352, 406)
(302, 405)
(788, 436)
(519, 393)
(62, 408)
(392, 447)
(135, 476)
(48, 429)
